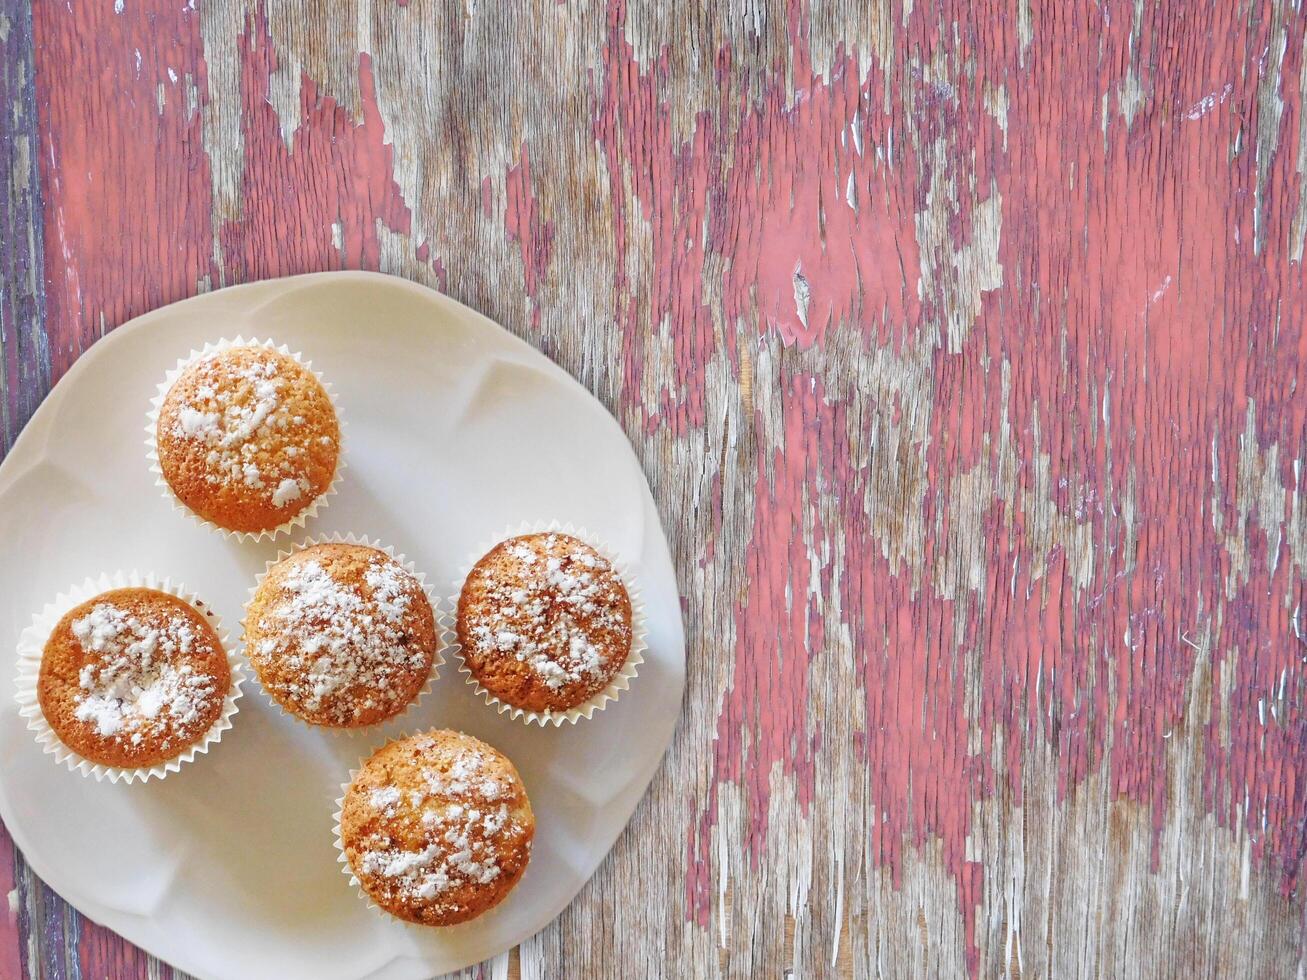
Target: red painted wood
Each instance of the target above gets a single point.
(1170, 320)
(524, 225)
(24, 356)
(127, 180)
(313, 206)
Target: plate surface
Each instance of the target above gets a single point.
(455, 429)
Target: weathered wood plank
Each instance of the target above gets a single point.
(962, 345)
(24, 356)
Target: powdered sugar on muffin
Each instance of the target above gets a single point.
(341, 635)
(437, 827)
(247, 437)
(544, 621)
(132, 677)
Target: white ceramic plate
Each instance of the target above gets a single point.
(455, 429)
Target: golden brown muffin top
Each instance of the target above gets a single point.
(437, 827)
(341, 635)
(544, 621)
(247, 438)
(132, 677)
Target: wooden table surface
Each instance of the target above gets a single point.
(964, 348)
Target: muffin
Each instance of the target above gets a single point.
(436, 828)
(247, 438)
(341, 635)
(132, 678)
(544, 622)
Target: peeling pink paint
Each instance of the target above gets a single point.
(1204, 350)
(282, 229)
(138, 194)
(423, 254)
(766, 718)
(670, 184)
(826, 234)
(814, 228)
(525, 226)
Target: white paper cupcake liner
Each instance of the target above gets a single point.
(343, 860)
(620, 681)
(31, 646)
(152, 445)
(444, 634)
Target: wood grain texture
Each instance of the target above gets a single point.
(962, 345)
(24, 356)
(24, 367)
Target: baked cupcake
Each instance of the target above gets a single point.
(247, 438)
(133, 678)
(544, 622)
(341, 634)
(436, 828)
